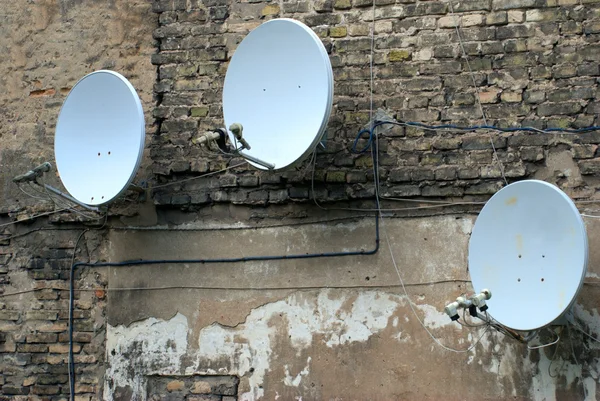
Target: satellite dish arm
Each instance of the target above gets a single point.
(222, 140)
(206, 137)
(219, 135)
(236, 129)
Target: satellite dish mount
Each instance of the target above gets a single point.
(219, 136)
(37, 172)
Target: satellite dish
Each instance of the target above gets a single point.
(99, 138)
(279, 87)
(529, 248)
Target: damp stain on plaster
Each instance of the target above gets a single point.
(331, 317)
(277, 341)
(294, 381)
(327, 315)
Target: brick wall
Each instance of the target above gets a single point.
(33, 323)
(535, 63)
(193, 388)
(47, 47)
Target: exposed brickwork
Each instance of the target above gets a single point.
(48, 46)
(34, 325)
(535, 63)
(193, 388)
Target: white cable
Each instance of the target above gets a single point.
(199, 176)
(410, 303)
(30, 195)
(371, 67)
(59, 202)
(591, 216)
(430, 201)
(466, 58)
(584, 332)
(546, 345)
(382, 226)
(35, 216)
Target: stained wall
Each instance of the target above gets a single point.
(318, 328)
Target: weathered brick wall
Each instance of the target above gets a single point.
(193, 388)
(33, 323)
(535, 63)
(46, 47)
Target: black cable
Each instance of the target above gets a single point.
(207, 261)
(216, 288)
(489, 127)
(459, 128)
(71, 296)
(215, 260)
(369, 141)
(194, 261)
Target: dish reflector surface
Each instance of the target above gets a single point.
(529, 248)
(279, 86)
(99, 138)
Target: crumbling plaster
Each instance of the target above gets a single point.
(346, 343)
(318, 329)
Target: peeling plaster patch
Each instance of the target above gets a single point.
(502, 360)
(401, 337)
(591, 320)
(151, 346)
(434, 319)
(506, 363)
(466, 225)
(241, 352)
(295, 381)
(249, 344)
(589, 385)
(370, 314)
(334, 318)
(543, 387)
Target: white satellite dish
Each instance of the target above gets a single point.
(99, 138)
(279, 87)
(529, 248)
